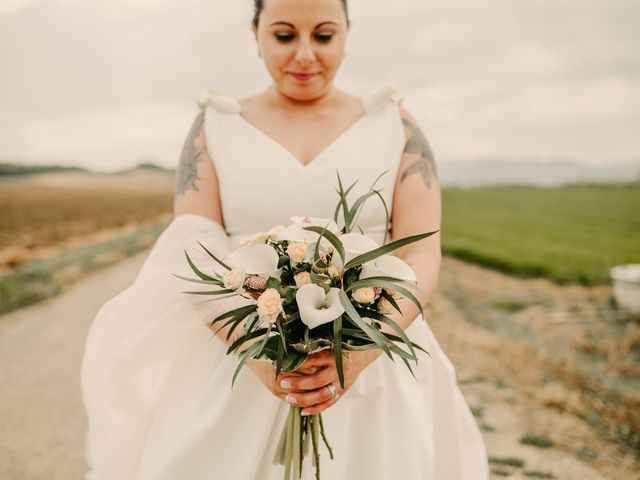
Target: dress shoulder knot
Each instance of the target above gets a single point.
(382, 97)
(219, 101)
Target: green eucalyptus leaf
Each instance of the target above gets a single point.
(389, 284)
(384, 249)
(337, 350)
(215, 258)
(204, 282)
(244, 356)
(212, 292)
(202, 275)
(245, 338)
(378, 338)
(330, 236)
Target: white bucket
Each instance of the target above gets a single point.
(626, 286)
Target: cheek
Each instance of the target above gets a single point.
(331, 59)
(277, 58)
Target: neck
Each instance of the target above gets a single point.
(283, 102)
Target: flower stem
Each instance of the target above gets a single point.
(295, 440)
(289, 446)
(314, 438)
(324, 437)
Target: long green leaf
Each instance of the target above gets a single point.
(245, 338)
(211, 292)
(384, 249)
(391, 285)
(231, 313)
(353, 314)
(244, 356)
(391, 300)
(395, 338)
(354, 212)
(214, 257)
(335, 241)
(388, 321)
(195, 280)
(339, 204)
(337, 351)
(386, 217)
(202, 275)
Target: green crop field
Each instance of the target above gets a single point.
(568, 234)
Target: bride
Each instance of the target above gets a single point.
(156, 382)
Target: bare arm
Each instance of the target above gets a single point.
(196, 187)
(417, 208)
(196, 182)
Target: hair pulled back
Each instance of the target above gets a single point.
(259, 6)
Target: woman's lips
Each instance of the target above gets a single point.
(302, 76)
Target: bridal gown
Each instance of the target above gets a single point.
(156, 383)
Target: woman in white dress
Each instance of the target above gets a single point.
(157, 386)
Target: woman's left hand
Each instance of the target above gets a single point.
(310, 391)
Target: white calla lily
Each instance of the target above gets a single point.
(318, 221)
(255, 259)
(296, 233)
(354, 244)
(388, 266)
(316, 307)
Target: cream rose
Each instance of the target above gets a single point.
(302, 278)
(273, 232)
(234, 278)
(333, 271)
(260, 237)
(269, 304)
(297, 251)
(364, 295)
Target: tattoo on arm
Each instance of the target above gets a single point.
(417, 143)
(187, 174)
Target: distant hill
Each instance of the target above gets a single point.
(538, 173)
(147, 167)
(20, 169)
(12, 169)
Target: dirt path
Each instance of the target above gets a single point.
(505, 381)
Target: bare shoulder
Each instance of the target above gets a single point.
(196, 187)
(418, 157)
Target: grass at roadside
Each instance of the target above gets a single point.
(571, 234)
(41, 279)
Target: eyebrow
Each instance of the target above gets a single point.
(293, 26)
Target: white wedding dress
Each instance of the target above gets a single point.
(157, 384)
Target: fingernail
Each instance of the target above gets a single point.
(285, 384)
(291, 399)
(304, 414)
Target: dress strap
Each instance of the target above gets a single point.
(219, 101)
(382, 97)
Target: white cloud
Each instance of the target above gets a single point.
(10, 6)
(484, 79)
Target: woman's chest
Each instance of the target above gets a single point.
(305, 139)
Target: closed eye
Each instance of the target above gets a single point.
(324, 38)
(284, 37)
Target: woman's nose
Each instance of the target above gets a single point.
(305, 54)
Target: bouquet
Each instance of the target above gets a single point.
(312, 286)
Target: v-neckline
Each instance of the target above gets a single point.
(322, 151)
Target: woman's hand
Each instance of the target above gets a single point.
(267, 375)
(309, 391)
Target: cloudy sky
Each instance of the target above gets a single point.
(107, 84)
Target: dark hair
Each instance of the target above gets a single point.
(259, 5)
